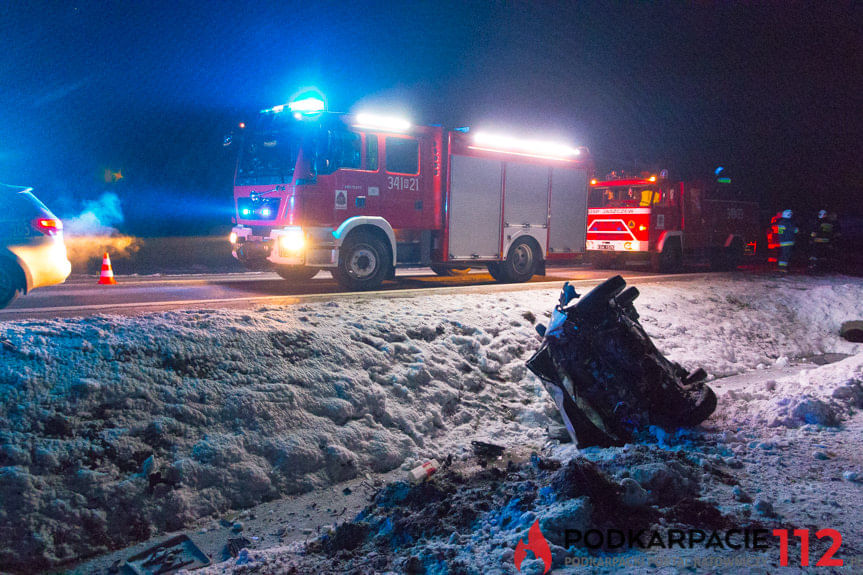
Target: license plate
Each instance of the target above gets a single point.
(606, 247)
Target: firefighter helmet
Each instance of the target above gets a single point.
(787, 214)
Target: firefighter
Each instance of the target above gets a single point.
(822, 242)
(785, 231)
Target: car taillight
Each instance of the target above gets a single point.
(48, 226)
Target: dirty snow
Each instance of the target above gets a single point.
(115, 429)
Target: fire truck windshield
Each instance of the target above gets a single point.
(270, 153)
(278, 147)
(622, 197)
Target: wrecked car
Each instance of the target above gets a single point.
(607, 378)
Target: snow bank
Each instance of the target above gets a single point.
(729, 327)
(114, 428)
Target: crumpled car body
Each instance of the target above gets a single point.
(607, 378)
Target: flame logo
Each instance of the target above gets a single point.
(536, 543)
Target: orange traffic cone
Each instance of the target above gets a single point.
(106, 276)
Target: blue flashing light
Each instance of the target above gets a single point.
(719, 169)
(246, 211)
(266, 212)
(307, 105)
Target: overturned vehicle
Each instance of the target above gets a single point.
(605, 375)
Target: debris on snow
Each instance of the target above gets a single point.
(176, 553)
(423, 471)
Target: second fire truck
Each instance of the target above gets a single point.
(650, 218)
(359, 195)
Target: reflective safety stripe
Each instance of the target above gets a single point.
(786, 244)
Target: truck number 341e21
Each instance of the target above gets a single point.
(403, 183)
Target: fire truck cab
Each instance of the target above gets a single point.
(359, 195)
(665, 223)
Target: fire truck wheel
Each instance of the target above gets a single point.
(727, 258)
(445, 271)
(718, 261)
(297, 273)
(670, 260)
(520, 262)
(734, 254)
(364, 262)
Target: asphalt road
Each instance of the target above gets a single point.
(82, 296)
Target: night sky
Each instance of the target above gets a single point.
(773, 92)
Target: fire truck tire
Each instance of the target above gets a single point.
(296, 273)
(670, 260)
(717, 259)
(520, 262)
(734, 254)
(728, 258)
(364, 262)
(445, 271)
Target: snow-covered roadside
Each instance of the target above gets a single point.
(237, 408)
(782, 451)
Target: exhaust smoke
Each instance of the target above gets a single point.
(93, 232)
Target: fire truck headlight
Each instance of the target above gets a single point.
(233, 237)
(641, 228)
(293, 241)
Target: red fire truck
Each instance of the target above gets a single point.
(666, 223)
(359, 195)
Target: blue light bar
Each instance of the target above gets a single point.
(309, 105)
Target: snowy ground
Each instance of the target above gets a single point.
(115, 429)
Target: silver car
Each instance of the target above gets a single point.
(32, 252)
